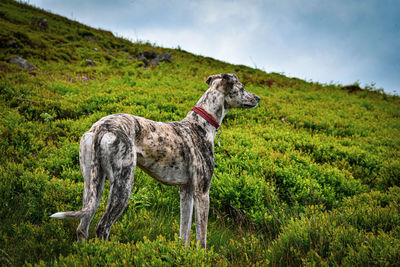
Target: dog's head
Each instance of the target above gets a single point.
(235, 94)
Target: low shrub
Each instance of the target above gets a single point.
(158, 252)
(364, 231)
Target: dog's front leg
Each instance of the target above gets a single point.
(186, 196)
(202, 206)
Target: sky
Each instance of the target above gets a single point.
(339, 42)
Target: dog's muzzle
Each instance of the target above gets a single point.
(253, 103)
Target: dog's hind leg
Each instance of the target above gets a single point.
(186, 197)
(118, 162)
(90, 187)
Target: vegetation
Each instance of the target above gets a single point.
(310, 177)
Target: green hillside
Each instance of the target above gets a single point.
(309, 177)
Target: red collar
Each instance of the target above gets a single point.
(207, 116)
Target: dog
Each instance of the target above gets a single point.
(174, 153)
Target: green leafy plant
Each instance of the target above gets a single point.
(309, 177)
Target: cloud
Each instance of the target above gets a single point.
(322, 40)
(214, 29)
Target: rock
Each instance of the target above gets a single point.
(8, 43)
(155, 62)
(160, 58)
(148, 54)
(153, 59)
(95, 49)
(90, 63)
(41, 23)
(22, 63)
(12, 43)
(143, 59)
(166, 57)
(84, 78)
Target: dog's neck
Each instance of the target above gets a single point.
(213, 103)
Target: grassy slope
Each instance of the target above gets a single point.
(310, 176)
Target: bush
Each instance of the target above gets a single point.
(365, 231)
(158, 252)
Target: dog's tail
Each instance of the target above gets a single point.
(89, 144)
(70, 214)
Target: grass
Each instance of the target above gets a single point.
(310, 177)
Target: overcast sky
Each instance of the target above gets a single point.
(339, 41)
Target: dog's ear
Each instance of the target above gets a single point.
(229, 80)
(211, 78)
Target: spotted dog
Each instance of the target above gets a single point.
(174, 153)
